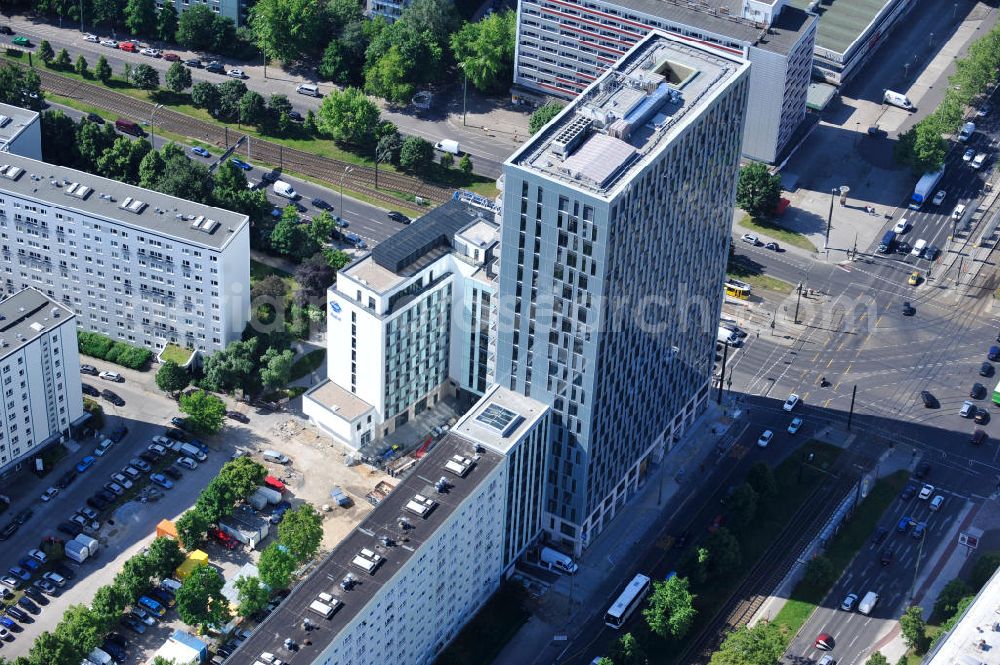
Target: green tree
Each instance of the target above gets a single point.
(231, 367)
(121, 161)
(438, 18)
(287, 29)
(81, 627)
(388, 77)
(983, 569)
(877, 659)
(301, 531)
(272, 287)
(447, 161)
(344, 58)
(542, 115)
(92, 140)
(757, 190)
(314, 276)
(276, 368)
(51, 648)
(204, 95)
(336, 259)
(200, 601)
(81, 66)
(145, 77)
(389, 145)
(151, 169)
(164, 555)
(182, 177)
(21, 87)
(108, 604)
(252, 109)
(192, 528)
(628, 651)
(416, 154)
(242, 476)
(102, 70)
(290, 238)
(195, 28)
(205, 412)
(166, 22)
(670, 611)
(135, 576)
(140, 17)
(725, 556)
(216, 500)
(230, 94)
(465, 164)
(45, 52)
(761, 645)
(742, 506)
(252, 596)
(950, 596)
(63, 61)
(960, 608)
(485, 51)
(276, 566)
(914, 629)
(820, 573)
(761, 479)
(178, 77)
(59, 138)
(348, 116)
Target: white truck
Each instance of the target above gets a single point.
(273, 497)
(188, 450)
(868, 603)
(898, 99)
(448, 145)
(925, 188)
(76, 551)
(553, 560)
(727, 336)
(91, 544)
(282, 188)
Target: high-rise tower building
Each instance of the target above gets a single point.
(615, 233)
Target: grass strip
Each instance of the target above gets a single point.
(781, 234)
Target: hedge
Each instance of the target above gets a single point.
(105, 348)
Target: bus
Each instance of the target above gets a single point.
(737, 289)
(627, 602)
(996, 395)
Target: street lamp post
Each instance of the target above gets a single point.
(798, 300)
(152, 126)
(347, 170)
(81, 15)
(465, 94)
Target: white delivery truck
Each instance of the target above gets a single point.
(898, 99)
(727, 336)
(925, 188)
(282, 188)
(448, 145)
(76, 551)
(90, 543)
(553, 560)
(868, 603)
(193, 451)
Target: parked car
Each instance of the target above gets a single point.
(112, 376)
(97, 502)
(112, 397)
(44, 585)
(55, 578)
(148, 457)
(239, 163)
(236, 74)
(19, 573)
(122, 480)
(114, 488)
(18, 614)
(36, 595)
(88, 369)
(38, 555)
(85, 463)
(71, 529)
(133, 624)
(140, 464)
(194, 62)
(978, 391)
(175, 434)
(161, 480)
(188, 463)
(157, 449)
(90, 390)
(49, 494)
(223, 538)
(238, 416)
(201, 152)
(132, 472)
(171, 57)
(173, 472)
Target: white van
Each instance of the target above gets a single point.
(282, 188)
(727, 336)
(275, 457)
(171, 585)
(979, 160)
(898, 99)
(557, 561)
(448, 145)
(968, 129)
(308, 89)
(918, 248)
(99, 657)
(868, 603)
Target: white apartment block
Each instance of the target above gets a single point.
(402, 584)
(234, 9)
(20, 132)
(408, 325)
(616, 227)
(564, 45)
(40, 395)
(133, 264)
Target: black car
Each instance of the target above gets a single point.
(112, 397)
(908, 492)
(96, 119)
(194, 62)
(903, 247)
(886, 557)
(106, 495)
(117, 639)
(119, 433)
(399, 217)
(978, 391)
(163, 596)
(71, 529)
(295, 116)
(148, 456)
(18, 614)
(321, 204)
(66, 479)
(134, 625)
(238, 416)
(173, 472)
(931, 252)
(88, 369)
(24, 515)
(982, 416)
(177, 421)
(215, 68)
(880, 535)
(90, 390)
(5, 30)
(270, 176)
(64, 570)
(36, 595)
(29, 605)
(927, 399)
(908, 309)
(923, 470)
(114, 650)
(9, 530)
(97, 503)
(986, 369)
(175, 434)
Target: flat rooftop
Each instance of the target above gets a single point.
(634, 110)
(724, 18)
(365, 545)
(26, 315)
(975, 639)
(339, 400)
(128, 205)
(13, 119)
(481, 233)
(842, 21)
(499, 418)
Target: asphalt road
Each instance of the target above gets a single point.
(487, 152)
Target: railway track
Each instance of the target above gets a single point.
(357, 177)
(772, 567)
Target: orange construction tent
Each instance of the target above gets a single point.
(166, 529)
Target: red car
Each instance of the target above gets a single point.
(127, 46)
(171, 57)
(274, 483)
(223, 538)
(824, 642)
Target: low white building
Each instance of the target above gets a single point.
(39, 376)
(20, 132)
(409, 324)
(402, 584)
(975, 637)
(136, 265)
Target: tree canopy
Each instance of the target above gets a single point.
(205, 412)
(670, 611)
(758, 191)
(485, 51)
(200, 601)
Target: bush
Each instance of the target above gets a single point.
(98, 346)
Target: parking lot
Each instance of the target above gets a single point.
(128, 524)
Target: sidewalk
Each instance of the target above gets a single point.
(573, 600)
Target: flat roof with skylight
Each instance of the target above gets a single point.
(630, 113)
(842, 22)
(13, 120)
(142, 209)
(500, 418)
(26, 315)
